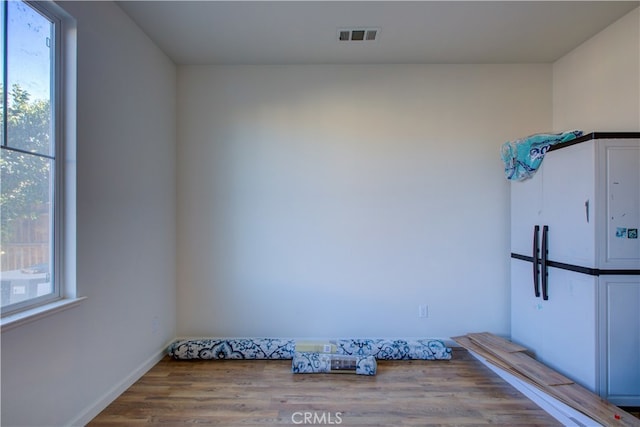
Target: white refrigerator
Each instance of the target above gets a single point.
(575, 263)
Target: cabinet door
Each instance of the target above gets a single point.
(620, 178)
(561, 332)
(568, 204)
(569, 325)
(526, 210)
(525, 315)
(620, 361)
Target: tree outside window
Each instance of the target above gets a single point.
(28, 156)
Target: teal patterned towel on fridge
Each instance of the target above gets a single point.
(523, 157)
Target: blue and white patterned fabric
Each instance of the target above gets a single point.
(313, 363)
(386, 349)
(232, 348)
(523, 157)
(274, 348)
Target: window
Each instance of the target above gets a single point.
(31, 148)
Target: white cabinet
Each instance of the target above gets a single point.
(561, 331)
(524, 307)
(568, 202)
(620, 333)
(526, 206)
(620, 187)
(586, 199)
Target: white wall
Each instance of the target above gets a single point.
(596, 87)
(66, 367)
(323, 201)
(347, 194)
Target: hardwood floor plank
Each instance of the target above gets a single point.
(563, 389)
(486, 339)
(461, 391)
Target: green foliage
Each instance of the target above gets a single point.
(25, 178)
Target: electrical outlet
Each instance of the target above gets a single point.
(423, 311)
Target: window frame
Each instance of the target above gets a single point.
(63, 120)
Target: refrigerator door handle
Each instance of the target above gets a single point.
(536, 260)
(544, 260)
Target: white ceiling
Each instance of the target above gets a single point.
(305, 32)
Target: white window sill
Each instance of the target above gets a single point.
(28, 316)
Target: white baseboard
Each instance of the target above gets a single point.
(100, 404)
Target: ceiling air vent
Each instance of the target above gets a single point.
(344, 35)
(358, 34)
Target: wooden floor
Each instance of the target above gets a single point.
(461, 391)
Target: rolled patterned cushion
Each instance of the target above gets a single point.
(232, 348)
(274, 348)
(388, 349)
(313, 363)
